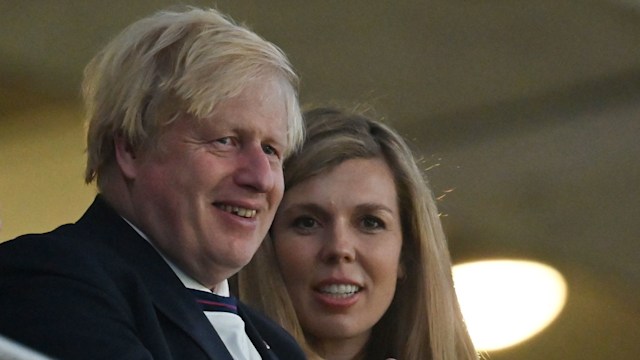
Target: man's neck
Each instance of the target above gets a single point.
(221, 288)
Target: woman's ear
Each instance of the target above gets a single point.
(125, 156)
(401, 271)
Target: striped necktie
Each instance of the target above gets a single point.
(212, 302)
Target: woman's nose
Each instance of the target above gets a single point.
(339, 245)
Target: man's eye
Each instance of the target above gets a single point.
(270, 150)
(226, 143)
(224, 140)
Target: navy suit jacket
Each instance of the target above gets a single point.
(97, 290)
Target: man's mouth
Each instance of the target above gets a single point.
(242, 212)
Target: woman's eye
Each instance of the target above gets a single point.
(372, 223)
(304, 222)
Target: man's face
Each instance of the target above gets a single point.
(208, 196)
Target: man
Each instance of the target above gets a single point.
(189, 119)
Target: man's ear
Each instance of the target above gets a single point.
(125, 156)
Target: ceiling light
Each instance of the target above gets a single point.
(505, 302)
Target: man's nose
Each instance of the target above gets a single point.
(255, 170)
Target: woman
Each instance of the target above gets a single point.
(358, 245)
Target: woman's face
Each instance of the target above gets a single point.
(337, 237)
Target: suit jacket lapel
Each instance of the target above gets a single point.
(166, 290)
(186, 313)
(257, 340)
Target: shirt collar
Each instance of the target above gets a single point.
(221, 289)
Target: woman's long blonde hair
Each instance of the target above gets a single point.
(424, 320)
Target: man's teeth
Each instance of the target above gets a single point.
(340, 290)
(247, 213)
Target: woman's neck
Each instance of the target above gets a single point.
(340, 348)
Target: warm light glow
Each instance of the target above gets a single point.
(505, 302)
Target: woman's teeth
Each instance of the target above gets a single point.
(340, 290)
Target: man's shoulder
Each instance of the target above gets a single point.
(59, 253)
(57, 242)
(65, 239)
(88, 250)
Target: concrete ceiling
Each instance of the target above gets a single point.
(528, 110)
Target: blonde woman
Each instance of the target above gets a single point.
(358, 259)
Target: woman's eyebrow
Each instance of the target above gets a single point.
(302, 207)
(371, 206)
